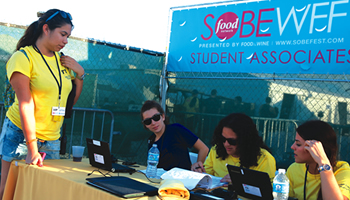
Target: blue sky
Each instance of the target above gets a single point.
(137, 23)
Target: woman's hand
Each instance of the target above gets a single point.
(72, 64)
(198, 167)
(226, 179)
(315, 148)
(34, 159)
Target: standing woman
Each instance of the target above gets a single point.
(173, 141)
(316, 173)
(42, 82)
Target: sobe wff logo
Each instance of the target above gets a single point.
(250, 21)
(227, 25)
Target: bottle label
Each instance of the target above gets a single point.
(153, 157)
(281, 187)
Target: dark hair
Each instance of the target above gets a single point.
(214, 92)
(323, 132)
(268, 100)
(193, 102)
(148, 105)
(239, 99)
(34, 31)
(248, 140)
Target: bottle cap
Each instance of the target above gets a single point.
(154, 145)
(283, 171)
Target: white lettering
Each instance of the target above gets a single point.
(314, 16)
(292, 12)
(332, 15)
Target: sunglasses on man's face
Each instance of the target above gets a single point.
(62, 13)
(229, 140)
(155, 118)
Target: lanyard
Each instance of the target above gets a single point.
(59, 84)
(307, 168)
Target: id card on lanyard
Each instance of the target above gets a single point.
(57, 111)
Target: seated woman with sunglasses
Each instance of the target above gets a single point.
(42, 81)
(316, 173)
(236, 142)
(173, 141)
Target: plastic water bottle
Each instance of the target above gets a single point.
(280, 185)
(152, 161)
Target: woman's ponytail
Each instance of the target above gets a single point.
(30, 35)
(35, 30)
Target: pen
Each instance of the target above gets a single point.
(198, 167)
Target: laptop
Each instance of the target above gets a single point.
(123, 186)
(249, 183)
(100, 157)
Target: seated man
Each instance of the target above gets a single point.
(236, 142)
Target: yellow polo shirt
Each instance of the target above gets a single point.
(296, 176)
(44, 90)
(217, 167)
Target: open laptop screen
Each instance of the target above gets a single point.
(100, 157)
(249, 183)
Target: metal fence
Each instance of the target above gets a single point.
(84, 123)
(295, 97)
(120, 78)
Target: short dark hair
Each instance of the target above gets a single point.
(214, 92)
(268, 100)
(238, 98)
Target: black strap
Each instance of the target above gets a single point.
(307, 168)
(59, 84)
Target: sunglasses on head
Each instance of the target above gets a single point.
(63, 14)
(155, 118)
(229, 140)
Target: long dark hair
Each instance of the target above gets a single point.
(148, 105)
(248, 140)
(34, 31)
(323, 132)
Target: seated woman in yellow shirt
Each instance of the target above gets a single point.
(316, 173)
(236, 142)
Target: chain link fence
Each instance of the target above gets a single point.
(295, 98)
(120, 78)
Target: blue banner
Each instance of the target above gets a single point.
(299, 36)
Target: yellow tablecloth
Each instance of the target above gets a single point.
(58, 180)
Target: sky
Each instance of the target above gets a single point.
(137, 23)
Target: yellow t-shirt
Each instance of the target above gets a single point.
(217, 167)
(44, 90)
(191, 109)
(296, 176)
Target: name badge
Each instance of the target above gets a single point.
(58, 111)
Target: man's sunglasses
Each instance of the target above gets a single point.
(229, 140)
(155, 118)
(63, 14)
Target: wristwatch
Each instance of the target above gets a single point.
(324, 167)
(80, 77)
